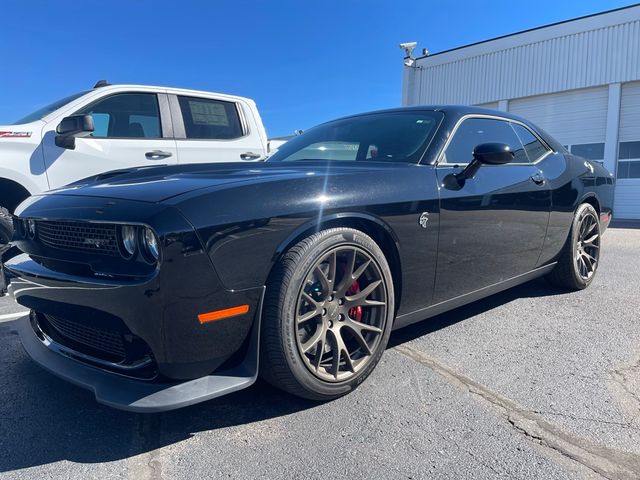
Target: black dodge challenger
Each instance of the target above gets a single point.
(162, 287)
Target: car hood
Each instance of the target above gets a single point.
(156, 184)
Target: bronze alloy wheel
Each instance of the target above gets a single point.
(341, 313)
(587, 250)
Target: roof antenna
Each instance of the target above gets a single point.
(101, 83)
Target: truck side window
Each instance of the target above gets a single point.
(126, 115)
(210, 119)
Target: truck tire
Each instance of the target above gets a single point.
(6, 229)
(6, 234)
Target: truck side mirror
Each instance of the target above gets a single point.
(71, 127)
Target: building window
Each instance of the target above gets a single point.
(629, 160)
(591, 151)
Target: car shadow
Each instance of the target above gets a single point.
(44, 419)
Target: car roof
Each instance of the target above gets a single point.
(453, 110)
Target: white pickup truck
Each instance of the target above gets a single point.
(111, 127)
(119, 126)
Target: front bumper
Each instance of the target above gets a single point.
(134, 395)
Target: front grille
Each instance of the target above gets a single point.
(109, 342)
(79, 236)
(114, 349)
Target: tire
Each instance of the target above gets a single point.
(6, 234)
(6, 228)
(580, 256)
(315, 308)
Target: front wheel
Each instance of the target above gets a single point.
(328, 313)
(580, 256)
(6, 228)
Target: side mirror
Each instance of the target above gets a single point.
(483, 154)
(493, 153)
(72, 127)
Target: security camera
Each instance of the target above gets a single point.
(408, 48)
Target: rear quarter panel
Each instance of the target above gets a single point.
(572, 180)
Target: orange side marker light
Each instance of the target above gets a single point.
(220, 314)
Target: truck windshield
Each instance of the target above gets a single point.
(400, 136)
(52, 107)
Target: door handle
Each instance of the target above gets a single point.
(250, 156)
(538, 179)
(157, 155)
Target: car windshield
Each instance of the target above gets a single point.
(381, 137)
(46, 110)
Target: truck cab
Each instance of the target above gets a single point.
(123, 126)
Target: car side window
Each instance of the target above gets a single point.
(210, 119)
(126, 115)
(475, 131)
(533, 147)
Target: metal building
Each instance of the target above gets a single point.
(578, 79)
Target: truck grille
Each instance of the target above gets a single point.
(105, 341)
(79, 236)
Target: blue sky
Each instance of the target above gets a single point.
(303, 61)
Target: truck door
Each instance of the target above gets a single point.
(131, 130)
(215, 130)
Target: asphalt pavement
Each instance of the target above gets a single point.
(529, 383)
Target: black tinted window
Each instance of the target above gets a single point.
(126, 115)
(210, 119)
(532, 146)
(383, 137)
(475, 131)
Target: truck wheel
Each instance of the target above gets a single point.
(6, 228)
(328, 313)
(580, 256)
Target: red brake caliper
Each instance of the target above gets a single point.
(355, 312)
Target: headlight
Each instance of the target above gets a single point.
(128, 236)
(31, 228)
(151, 244)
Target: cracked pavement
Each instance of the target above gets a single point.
(530, 383)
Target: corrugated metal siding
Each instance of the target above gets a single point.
(573, 117)
(627, 196)
(492, 105)
(630, 113)
(580, 60)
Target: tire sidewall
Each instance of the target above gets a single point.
(584, 210)
(343, 237)
(6, 229)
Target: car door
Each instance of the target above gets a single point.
(132, 129)
(213, 130)
(493, 227)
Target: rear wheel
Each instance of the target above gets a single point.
(328, 315)
(578, 262)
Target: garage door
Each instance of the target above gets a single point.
(491, 105)
(577, 119)
(627, 203)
